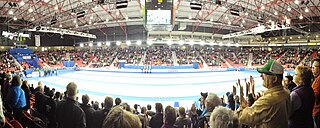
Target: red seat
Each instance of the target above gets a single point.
(16, 124)
(8, 124)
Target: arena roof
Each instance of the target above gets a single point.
(216, 17)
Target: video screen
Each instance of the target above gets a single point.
(158, 17)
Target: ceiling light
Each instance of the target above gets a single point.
(241, 25)
(108, 43)
(283, 38)
(243, 21)
(107, 20)
(76, 25)
(74, 21)
(246, 13)
(299, 37)
(190, 17)
(289, 9)
(99, 44)
(117, 13)
(300, 17)
(118, 43)
(56, 7)
(10, 12)
(81, 45)
(211, 19)
(270, 21)
(296, 1)
(60, 25)
(30, 10)
(127, 17)
(90, 22)
(91, 17)
(226, 17)
(275, 13)
(90, 44)
(138, 42)
(21, 3)
(15, 18)
(229, 22)
(276, 38)
(46, 1)
(290, 37)
(262, 7)
(32, 19)
(306, 10)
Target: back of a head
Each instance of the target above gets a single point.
(290, 78)
(182, 112)
(170, 115)
(16, 81)
(149, 107)
(85, 99)
(117, 101)
(159, 108)
(213, 101)
(108, 103)
(118, 118)
(222, 117)
(71, 89)
(125, 106)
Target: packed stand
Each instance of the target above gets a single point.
(132, 55)
(158, 55)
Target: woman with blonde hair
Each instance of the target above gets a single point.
(119, 118)
(302, 99)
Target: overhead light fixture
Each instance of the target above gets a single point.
(107, 20)
(90, 44)
(299, 37)
(296, 1)
(60, 25)
(108, 43)
(99, 44)
(241, 25)
(126, 17)
(300, 17)
(76, 25)
(317, 36)
(118, 43)
(21, 3)
(246, 13)
(10, 12)
(306, 10)
(90, 22)
(74, 21)
(46, 1)
(290, 37)
(81, 44)
(15, 18)
(229, 22)
(190, 17)
(243, 21)
(275, 13)
(275, 38)
(30, 10)
(226, 17)
(270, 21)
(56, 7)
(283, 38)
(289, 9)
(91, 17)
(211, 19)
(262, 7)
(32, 19)
(138, 42)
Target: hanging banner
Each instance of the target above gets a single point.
(37, 40)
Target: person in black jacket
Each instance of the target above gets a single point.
(100, 115)
(88, 110)
(27, 94)
(69, 114)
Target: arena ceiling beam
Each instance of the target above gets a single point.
(266, 5)
(201, 16)
(117, 17)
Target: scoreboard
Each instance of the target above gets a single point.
(159, 15)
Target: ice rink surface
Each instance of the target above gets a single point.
(144, 89)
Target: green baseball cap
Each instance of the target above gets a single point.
(272, 67)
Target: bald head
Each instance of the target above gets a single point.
(72, 89)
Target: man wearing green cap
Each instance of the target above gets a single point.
(272, 109)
